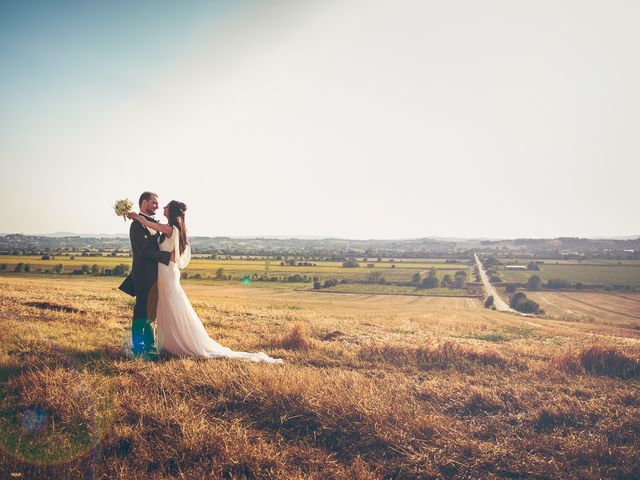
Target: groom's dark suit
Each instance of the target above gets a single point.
(144, 272)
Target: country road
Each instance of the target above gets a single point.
(500, 304)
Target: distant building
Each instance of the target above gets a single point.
(515, 267)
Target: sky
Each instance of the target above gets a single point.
(341, 118)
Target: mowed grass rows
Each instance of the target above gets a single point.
(606, 274)
(373, 386)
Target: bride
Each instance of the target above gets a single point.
(179, 329)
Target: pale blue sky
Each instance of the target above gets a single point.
(373, 119)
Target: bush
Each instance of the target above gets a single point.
(491, 261)
(510, 288)
(534, 283)
(610, 362)
(518, 296)
(317, 285)
(446, 282)
(121, 269)
(520, 302)
(431, 281)
(416, 278)
(351, 263)
(557, 283)
(528, 306)
(375, 277)
(83, 270)
(295, 340)
(533, 266)
(488, 302)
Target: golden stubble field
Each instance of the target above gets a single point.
(373, 386)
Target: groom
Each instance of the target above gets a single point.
(141, 283)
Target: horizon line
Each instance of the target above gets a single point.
(331, 237)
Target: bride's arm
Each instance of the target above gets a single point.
(159, 227)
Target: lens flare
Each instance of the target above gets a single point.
(54, 414)
(33, 420)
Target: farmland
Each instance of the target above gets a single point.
(395, 290)
(373, 386)
(234, 269)
(599, 274)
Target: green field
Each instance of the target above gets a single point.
(236, 268)
(587, 274)
(546, 261)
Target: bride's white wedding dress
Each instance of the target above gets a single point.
(179, 329)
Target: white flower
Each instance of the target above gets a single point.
(122, 207)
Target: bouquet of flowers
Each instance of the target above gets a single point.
(122, 207)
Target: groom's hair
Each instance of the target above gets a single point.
(146, 196)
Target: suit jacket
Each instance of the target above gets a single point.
(146, 255)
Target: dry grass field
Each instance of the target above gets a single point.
(373, 386)
(602, 274)
(620, 309)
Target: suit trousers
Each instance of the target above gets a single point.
(144, 314)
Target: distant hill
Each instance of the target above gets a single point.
(334, 247)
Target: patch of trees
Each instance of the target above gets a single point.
(488, 302)
(520, 302)
(510, 288)
(116, 271)
(431, 280)
(533, 266)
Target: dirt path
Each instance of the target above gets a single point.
(500, 304)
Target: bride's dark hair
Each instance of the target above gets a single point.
(176, 218)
